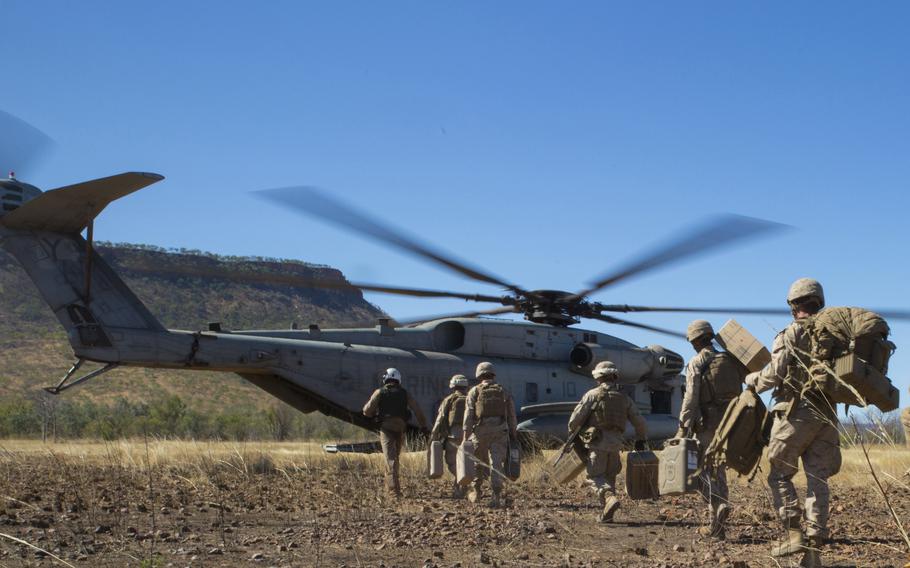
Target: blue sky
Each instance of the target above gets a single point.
(547, 142)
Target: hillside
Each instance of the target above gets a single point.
(34, 352)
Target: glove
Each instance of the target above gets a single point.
(639, 445)
(750, 380)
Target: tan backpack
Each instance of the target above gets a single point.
(491, 400)
(456, 409)
(721, 381)
(850, 353)
(741, 435)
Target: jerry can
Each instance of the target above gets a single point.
(642, 471)
(569, 467)
(465, 466)
(678, 463)
(435, 459)
(513, 460)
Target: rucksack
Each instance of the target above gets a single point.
(741, 435)
(393, 402)
(610, 410)
(456, 409)
(850, 353)
(722, 380)
(491, 400)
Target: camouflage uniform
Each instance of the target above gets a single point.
(905, 421)
(490, 435)
(601, 415)
(703, 420)
(804, 427)
(392, 433)
(449, 430)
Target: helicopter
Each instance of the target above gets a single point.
(544, 361)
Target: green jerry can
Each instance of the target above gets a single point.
(513, 460)
(642, 472)
(678, 463)
(435, 459)
(465, 466)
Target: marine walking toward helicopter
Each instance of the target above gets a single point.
(449, 426)
(490, 423)
(392, 405)
(713, 379)
(600, 419)
(805, 427)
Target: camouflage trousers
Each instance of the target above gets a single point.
(491, 446)
(392, 443)
(813, 438)
(712, 483)
(604, 463)
(905, 421)
(450, 452)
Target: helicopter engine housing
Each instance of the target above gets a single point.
(14, 193)
(635, 365)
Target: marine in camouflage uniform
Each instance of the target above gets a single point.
(905, 421)
(710, 386)
(805, 427)
(449, 425)
(601, 417)
(390, 405)
(489, 420)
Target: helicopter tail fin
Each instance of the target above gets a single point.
(93, 304)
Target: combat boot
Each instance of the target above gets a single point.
(457, 491)
(610, 507)
(812, 557)
(495, 500)
(474, 494)
(795, 542)
(717, 528)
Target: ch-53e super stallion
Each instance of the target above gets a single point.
(544, 362)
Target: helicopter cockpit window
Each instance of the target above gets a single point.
(530, 392)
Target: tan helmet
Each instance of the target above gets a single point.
(458, 381)
(804, 288)
(605, 369)
(698, 328)
(485, 368)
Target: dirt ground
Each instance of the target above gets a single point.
(135, 506)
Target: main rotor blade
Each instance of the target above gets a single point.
(625, 308)
(720, 232)
(888, 314)
(314, 202)
(21, 144)
(611, 319)
(306, 282)
(475, 314)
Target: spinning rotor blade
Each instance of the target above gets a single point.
(305, 282)
(624, 308)
(611, 319)
(314, 202)
(720, 232)
(493, 312)
(21, 144)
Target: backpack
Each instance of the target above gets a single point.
(850, 354)
(610, 411)
(741, 436)
(721, 381)
(393, 402)
(491, 400)
(456, 410)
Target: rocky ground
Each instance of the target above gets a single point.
(245, 509)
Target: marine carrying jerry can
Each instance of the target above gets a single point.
(569, 467)
(435, 459)
(678, 463)
(513, 460)
(465, 467)
(642, 471)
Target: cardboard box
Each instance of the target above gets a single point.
(569, 467)
(741, 344)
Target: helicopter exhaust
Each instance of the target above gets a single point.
(636, 365)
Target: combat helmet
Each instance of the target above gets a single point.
(806, 288)
(605, 370)
(698, 328)
(485, 368)
(458, 381)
